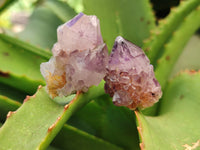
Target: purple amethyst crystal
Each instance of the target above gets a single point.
(130, 78)
(74, 20)
(79, 57)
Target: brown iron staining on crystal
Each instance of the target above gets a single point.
(55, 82)
(130, 79)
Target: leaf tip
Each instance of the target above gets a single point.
(54, 124)
(28, 98)
(10, 113)
(66, 107)
(142, 146)
(39, 87)
(77, 94)
(51, 127)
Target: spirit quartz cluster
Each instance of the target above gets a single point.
(79, 57)
(80, 60)
(130, 78)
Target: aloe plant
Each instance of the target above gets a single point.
(90, 120)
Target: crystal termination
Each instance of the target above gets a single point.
(130, 78)
(79, 57)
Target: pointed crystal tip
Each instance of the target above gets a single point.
(74, 20)
(119, 39)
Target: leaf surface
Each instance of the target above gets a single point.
(6, 105)
(178, 121)
(190, 57)
(39, 119)
(20, 64)
(31, 122)
(108, 122)
(4, 4)
(76, 139)
(175, 46)
(68, 133)
(131, 19)
(42, 26)
(159, 36)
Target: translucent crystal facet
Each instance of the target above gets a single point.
(130, 78)
(79, 57)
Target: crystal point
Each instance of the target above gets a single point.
(79, 57)
(130, 79)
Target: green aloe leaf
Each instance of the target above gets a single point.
(131, 19)
(190, 57)
(10, 100)
(76, 4)
(176, 45)
(26, 46)
(111, 123)
(12, 93)
(20, 64)
(159, 36)
(68, 133)
(177, 122)
(6, 105)
(39, 119)
(52, 148)
(76, 139)
(4, 4)
(30, 121)
(8, 97)
(43, 23)
(61, 9)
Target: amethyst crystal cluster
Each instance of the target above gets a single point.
(79, 57)
(130, 79)
(80, 60)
